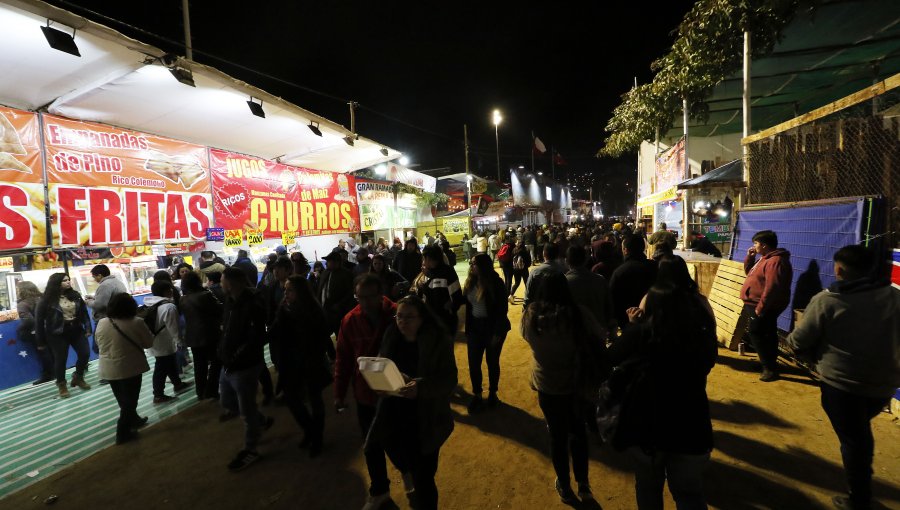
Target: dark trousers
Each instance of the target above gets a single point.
(206, 371)
(375, 454)
(45, 356)
(683, 472)
(567, 435)
(851, 417)
(265, 382)
(165, 366)
(237, 393)
(763, 334)
(296, 390)
(480, 339)
(73, 336)
(126, 392)
(520, 276)
(507, 276)
(403, 442)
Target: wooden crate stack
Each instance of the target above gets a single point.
(725, 299)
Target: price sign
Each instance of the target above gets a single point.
(287, 238)
(215, 234)
(254, 237)
(234, 238)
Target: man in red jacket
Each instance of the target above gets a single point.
(766, 293)
(361, 332)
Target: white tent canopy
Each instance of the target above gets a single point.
(123, 82)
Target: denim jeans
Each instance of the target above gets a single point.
(72, 335)
(567, 434)
(480, 339)
(206, 371)
(126, 392)
(684, 473)
(237, 393)
(851, 416)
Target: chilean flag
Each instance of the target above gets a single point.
(539, 147)
(559, 160)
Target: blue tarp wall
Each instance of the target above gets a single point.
(812, 233)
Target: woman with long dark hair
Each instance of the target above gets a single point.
(122, 338)
(27, 298)
(303, 338)
(62, 320)
(557, 331)
(391, 281)
(486, 326)
(521, 263)
(666, 422)
(416, 423)
(202, 332)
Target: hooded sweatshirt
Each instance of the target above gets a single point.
(768, 282)
(852, 333)
(165, 342)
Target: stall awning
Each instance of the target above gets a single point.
(729, 174)
(123, 82)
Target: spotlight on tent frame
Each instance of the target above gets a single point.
(256, 108)
(183, 75)
(60, 41)
(314, 127)
(384, 152)
(349, 140)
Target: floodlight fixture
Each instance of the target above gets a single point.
(256, 108)
(60, 41)
(183, 75)
(314, 127)
(349, 139)
(384, 152)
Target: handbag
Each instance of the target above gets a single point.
(132, 342)
(614, 399)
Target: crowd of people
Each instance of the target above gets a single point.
(603, 320)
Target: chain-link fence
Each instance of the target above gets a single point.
(854, 151)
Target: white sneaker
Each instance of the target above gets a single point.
(408, 484)
(375, 502)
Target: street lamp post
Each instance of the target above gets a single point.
(497, 120)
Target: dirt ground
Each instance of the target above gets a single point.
(774, 450)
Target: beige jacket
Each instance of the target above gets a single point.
(119, 358)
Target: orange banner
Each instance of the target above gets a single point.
(115, 186)
(23, 223)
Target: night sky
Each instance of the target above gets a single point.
(420, 71)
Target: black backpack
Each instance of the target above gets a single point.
(150, 316)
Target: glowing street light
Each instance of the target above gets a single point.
(404, 160)
(497, 120)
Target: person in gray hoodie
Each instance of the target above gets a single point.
(851, 332)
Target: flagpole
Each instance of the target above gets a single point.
(533, 148)
(468, 183)
(553, 161)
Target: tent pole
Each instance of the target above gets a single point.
(186, 15)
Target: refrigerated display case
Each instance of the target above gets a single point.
(139, 275)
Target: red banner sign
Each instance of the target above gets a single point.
(23, 223)
(114, 186)
(256, 194)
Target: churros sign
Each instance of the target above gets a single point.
(114, 186)
(23, 222)
(251, 194)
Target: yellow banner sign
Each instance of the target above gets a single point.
(666, 194)
(254, 237)
(234, 238)
(287, 238)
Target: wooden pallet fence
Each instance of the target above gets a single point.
(726, 303)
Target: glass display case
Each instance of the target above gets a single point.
(139, 276)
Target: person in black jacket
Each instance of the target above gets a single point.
(62, 320)
(202, 330)
(301, 337)
(665, 421)
(246, 265)
(486, 326)
(409, 261)
(631, 280)
(335, 292)
(438, 286)
(241, 354)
